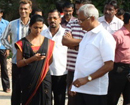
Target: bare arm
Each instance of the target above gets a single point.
(69, 41)
(23, 62)
(108, 66)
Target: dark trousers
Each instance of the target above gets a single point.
(86, 99)
(71, 99)
(4, 71)
(119, 84)
(16, 90)
(59, 89)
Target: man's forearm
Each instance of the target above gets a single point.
(100, 72)
(72, 42)
(108, 66)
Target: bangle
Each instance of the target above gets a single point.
(25, 62)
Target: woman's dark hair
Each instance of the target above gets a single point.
(112, 3)
(126, 17)
(36, 18)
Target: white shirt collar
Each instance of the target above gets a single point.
(114, 20)
(23, 23)
(59, 32)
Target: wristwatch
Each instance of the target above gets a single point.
(89, 78)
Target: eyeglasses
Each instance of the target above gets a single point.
(82, 20)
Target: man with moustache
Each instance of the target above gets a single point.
(94, 61)
(68, 9)
(18, 29)
(58, 67)
(72, 37)
(118, 78)
(109, 21)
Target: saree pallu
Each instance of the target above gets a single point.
(35, 77)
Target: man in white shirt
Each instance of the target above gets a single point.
(109, 21)
(58, 66)
(18, 29)
(72, 42)
(94, 60)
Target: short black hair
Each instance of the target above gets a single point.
(120, 12)
(83, 1)
(68, 5)
(36, 10)
(126, 17)
(55, 10)
(112, 3)
(1, 10)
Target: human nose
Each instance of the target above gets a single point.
(38, 30)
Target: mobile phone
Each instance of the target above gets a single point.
(43, 54)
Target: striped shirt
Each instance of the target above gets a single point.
(64, 22)
(77, 33)
(3, 24)
(17, 30)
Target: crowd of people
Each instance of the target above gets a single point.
(87, 57)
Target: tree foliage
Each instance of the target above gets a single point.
(11, 6)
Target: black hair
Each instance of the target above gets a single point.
(36, 18)
(55, 10)
(112, 3)
(1, 10)
(59, 5)
(83, 1)
(126, 17)
(36, 10)
(68, 5)
(120, 12)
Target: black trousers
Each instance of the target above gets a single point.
(71, 99)
(119, 84)
(16, 90)
(4, 71)
(59, 89)
(87, 99)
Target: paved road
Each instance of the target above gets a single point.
(4, 97)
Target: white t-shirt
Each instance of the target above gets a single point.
(96, 47)
(58, 66)
(115, 24)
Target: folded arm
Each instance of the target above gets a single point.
(69, 41)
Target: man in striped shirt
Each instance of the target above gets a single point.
(71, 39)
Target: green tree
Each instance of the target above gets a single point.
(11, 6)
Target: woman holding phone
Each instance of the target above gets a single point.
(34, 53)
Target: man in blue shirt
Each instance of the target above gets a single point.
(3, 56)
